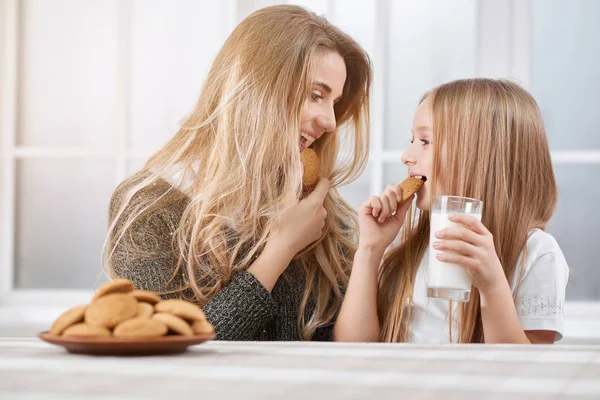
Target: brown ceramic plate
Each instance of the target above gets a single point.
(126, 347)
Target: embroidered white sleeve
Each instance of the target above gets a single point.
(541, 294)
(538, 306)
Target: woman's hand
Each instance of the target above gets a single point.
(303, 224)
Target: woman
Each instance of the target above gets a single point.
(217, 215)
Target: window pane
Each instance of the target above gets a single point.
(574, 227)
(394, 173)
(356, 18)
(430, 42)
(134, 165)
(68, 70)
(61, 221)
(359, 190)
(319, 7)
(565, 74)
(173, 46)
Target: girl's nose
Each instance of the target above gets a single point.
(407, 158)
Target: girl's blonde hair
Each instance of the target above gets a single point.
(244, 134)
(489, 143)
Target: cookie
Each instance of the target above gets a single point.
(174, 323)
(146, 296)
(68, 318)
(312, 167)
(114, 286)
(202, 328)
(86, 330)
(140, 328)
(111, 309)
(181, 308)
(144, 310)
(409, 187)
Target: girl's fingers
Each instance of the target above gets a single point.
(456, 246)
(455, 258)
(470, 222)
(397, 193)
(459, 233)
(393, 202)
(385, 207)
(375, 205)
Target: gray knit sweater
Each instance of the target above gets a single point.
(243, 310)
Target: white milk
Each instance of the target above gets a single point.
(443, 275)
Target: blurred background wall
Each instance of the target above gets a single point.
(89, 89)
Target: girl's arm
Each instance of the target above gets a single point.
(501, 323)
(358, 321)
(380, 219)
(499, 316)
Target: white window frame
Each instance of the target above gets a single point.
(32, 306)
(501, 52)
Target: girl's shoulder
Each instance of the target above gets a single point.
(540, 243)
(543, 258)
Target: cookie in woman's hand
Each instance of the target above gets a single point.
(312, 167)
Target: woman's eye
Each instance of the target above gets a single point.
(425, 142)
(316, 96)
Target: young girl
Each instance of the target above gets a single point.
(477, 138)
(215, 216)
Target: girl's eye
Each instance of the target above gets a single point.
(316, 96)
(425, 142)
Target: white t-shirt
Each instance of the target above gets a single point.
(539, 301)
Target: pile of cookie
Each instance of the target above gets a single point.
(118, 310)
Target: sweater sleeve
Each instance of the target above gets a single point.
(240, 309)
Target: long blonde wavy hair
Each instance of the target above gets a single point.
(244, 133)
(489, 143)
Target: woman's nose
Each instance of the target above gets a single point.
(327, 121)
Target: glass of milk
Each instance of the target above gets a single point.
(444, 280)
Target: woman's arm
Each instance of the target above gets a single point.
(237, 312)
(144, 254)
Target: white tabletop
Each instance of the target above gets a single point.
(32, 369)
